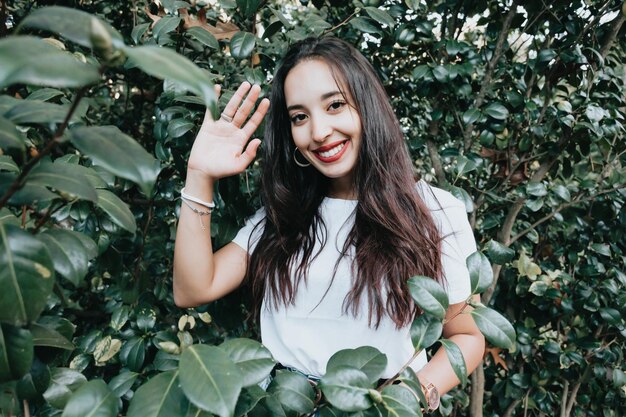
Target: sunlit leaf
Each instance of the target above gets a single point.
(253, 359)
(161, 396)
(293, 391)
(93, 399)
(497, 330)
(455, 356)
(346, 388)
(481, 274)
(429, 295)
(367, 359)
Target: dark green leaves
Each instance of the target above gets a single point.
(161, 396)
(242, 44)
(499, 253)
(26, 276)
(429, 296)
(496, 111)
(367, 359)
(254, 361)
(425, 331)
(118, 153)
(455, 356)
(65, 177)
(346, 388)
(210, 379)
(117, 210)
(64, 382)
(70, 252)
(497, 329)
(293, 391)
(16, 352)
(204, 36)
(30, 60)
(10, 137)
(166, 64)
(480, 271)
(93, 399)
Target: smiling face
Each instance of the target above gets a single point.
(325, 126)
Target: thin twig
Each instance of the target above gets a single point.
(346, 20)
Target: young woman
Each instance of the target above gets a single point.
(344, 224)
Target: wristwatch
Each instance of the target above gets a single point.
(432, 396)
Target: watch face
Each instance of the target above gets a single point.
(433, 398)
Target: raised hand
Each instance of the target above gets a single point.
(218, 150)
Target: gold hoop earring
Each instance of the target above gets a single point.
(300, 164)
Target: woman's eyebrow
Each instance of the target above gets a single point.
(323, 97)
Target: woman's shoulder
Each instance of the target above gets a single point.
(437, 199)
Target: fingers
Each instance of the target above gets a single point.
(248, 155)
(257, 117)
(246, 107)
(233, 104)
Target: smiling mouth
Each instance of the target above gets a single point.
(331, 154)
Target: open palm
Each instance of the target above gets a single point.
(220, 148)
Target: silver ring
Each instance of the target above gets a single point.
(226, 117)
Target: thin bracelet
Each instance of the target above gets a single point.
(200, 213)
(186, 196)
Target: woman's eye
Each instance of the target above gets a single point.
(336, 105)
(297, 118)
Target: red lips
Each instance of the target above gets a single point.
(328, 147)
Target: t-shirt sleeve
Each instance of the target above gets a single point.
(458, 240)
(249, 235)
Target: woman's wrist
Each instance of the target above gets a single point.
(199, 184)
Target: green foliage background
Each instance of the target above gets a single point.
(516, 107)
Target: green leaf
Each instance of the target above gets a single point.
(248, 8)
(496, 329)
(346, 388)
(365, 24)
(31, 60)
(164, 26)
(496, 110)
(123, 382)
(117, 210)
(161, 396)
(203, 36)
(611, 316)
(178, 127)
(601, 248)
(562, 192)
(16, 352)
(46, 336)
(63, 382)
(8, 218)
(455, 356)
(118, 153)
(400, 402)
(45, 94)
(72, 24)
(425, 331)
(499, 253)
(26, 276)
(10, 137)
(38, 112)
(429, 295)
(242, 44)
(481, 274)
(166, 64)
(381, 16)
(463, 196)
(93, 399)
(63, 177)
(293, 391)
(7, 164)
(210, 379)
(28, 194)
(537, 189)
(254, 360)
(464, 165)
(470, 116)
(133, 353)
(249, 398)
(367, 359)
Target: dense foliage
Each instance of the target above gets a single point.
(518, 109)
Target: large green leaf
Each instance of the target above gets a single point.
(16, 352)
(242, 44)
(499, 253)
(68, 252)
(204, 36)
(161, 396)
(400, 401)
(8, 218)
(64, 177)
(366, 358)
(10, 137)
(481, 274)
(122, 383)
(496, 328)
(93, 399)
(133, 353)
(47, 336)
(455, 356)
(31, 60)
(346, 388)
(38, 112)
(496, 110)
(429, 295)
(248, 7)
(64, 382)
(425, 330)
(293, 391)
(72, 24)
(210, 379)
(28, 194)
(117, 210)
(381, 16)
(26, 276)
(254, 360)
(249, 398)
(8, 164)
(166, 64)
(119, 153)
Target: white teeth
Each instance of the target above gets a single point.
(333, 151)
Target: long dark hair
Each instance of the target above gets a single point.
(394, 236)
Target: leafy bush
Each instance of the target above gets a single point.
(517, 110)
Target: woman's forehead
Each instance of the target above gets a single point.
(312, 80)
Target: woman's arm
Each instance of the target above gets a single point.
(462, 330)
(219, 151)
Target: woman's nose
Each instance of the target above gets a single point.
(320, 129)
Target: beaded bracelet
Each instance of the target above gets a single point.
(200, 213)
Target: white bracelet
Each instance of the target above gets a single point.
(186, 196)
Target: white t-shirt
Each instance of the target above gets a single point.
(306, 334)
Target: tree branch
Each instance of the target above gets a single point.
(615, 28)
(477, 394)
(433, 153)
